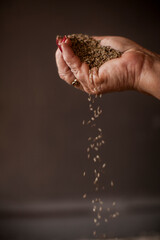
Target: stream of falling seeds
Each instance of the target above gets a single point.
(100, 214)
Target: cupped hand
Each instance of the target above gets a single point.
(128, 72)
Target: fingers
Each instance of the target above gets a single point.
(80, 70)
(63, 69)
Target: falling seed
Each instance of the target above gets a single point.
(89, 139)
(112, 184)
(94, 159)
(99, 129)
(100, 208)
(106, 220)
(88, 149)
(98, 175)
(96, 180)
(95, 171)
(94, 208)
(103, 142)
(95, 220)
(84, 174)
(89, 122)
(92, 118)
(84, 195)
(117, 213)
(94, 233)
(114, 203)
(114, 215)
(88, 155)
(98, 216)
(92, 201)
(104, 165)
(83, 122)
(96, 148)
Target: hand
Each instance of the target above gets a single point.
(137, 68)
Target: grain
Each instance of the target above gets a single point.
(90, 51)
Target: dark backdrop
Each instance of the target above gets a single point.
(42, 141)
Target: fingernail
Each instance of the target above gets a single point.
(64, 38)
(58, 44)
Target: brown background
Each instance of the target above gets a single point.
(42, 141)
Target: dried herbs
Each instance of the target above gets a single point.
(91, 51)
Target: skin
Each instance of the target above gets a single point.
(137, 69)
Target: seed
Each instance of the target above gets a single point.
(98, 175)
(88, 155)
(94, 159)
(89, 99)
(84, 195)
(96, 180)
(94, 208)
(89, 139)
(98, 216)
(92, 118)
(106, 220)
(83, 122)
(88, 149)
(114, 203)
(84, 174)
(117, 213)
(100, 208)
(112, 184)
(94, 233)
(104, 165)
(95, 220)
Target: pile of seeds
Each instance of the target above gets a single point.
(91, 51)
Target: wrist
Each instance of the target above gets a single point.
(149, 81)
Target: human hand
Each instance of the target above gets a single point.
(137, 68)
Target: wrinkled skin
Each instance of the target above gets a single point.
(137, 68)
